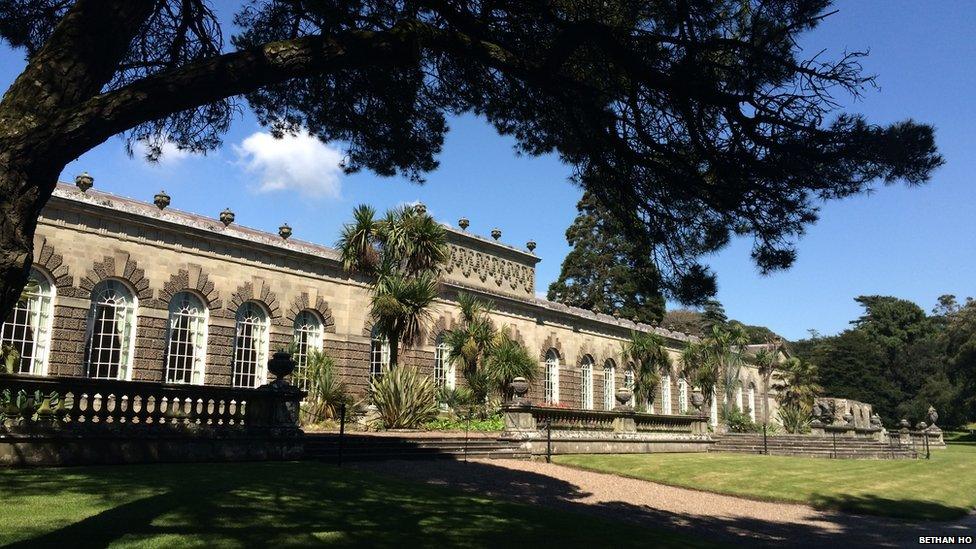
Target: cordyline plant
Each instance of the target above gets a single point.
(650, 357)
(400, 256)
(690, 121)
(715, 361)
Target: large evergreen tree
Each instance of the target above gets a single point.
(606, 271)
(691, 121)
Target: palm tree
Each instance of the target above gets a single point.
(716, 360)
(507, 360)
(650, 357)
(471, 342)
(797, 383)
(401, 254)
(767, 362)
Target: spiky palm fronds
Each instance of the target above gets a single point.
(401, 309)
(797, 383)
(404, 398)
(508, 360)
(650, 358)
(357, 242)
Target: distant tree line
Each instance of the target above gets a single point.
(902, 360)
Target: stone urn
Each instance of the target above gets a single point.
(921, 426)
(520, 387)
(904, 424)
(697, 399)
(875, 420)
(420, 208)
(464, 222)
(161, 200)
(227, 217)
(623, 396)
(284, 231)
(530, 245)
(496, 233)
(84, 181)
(932, 416)
(281, 365)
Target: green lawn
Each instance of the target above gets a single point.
(276, 504)
(941, 488)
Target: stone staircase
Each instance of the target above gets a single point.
(811, 446)
(390, 446)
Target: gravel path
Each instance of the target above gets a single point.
(715, 517)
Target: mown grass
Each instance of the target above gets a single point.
(277, 505)
(941, 488)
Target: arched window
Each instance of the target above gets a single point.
(112, 330)
(609, 384)
(586, 382)
(666, 394)
(682, 395)
(28, 327)
(752, 401)
(738, 397)
(251, 345)
(444, 372)
(186, 350)
(308, 337)
(379, 354)
(552, 377)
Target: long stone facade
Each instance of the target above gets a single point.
(95, 247)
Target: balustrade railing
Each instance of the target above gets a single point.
(530, 418)
(83, 405)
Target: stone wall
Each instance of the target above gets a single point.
(83, 238)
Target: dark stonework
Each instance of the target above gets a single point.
(127, 270)
(220, 352)
(68, 341)
(302, 303)
(260, 292)
(195, 280)
(150, 350)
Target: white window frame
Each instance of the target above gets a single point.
(752, 402)
(188, 307)
(552, 377)
(739, 397)
(308, 336)
(30, 323)
(609, 384)
(445, 373)
(251, 314)
(379, 354)
(586, 382)
(713, 408)
(666, 394)
(115, 295)
(682, 395)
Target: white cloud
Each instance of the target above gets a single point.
(295, 162)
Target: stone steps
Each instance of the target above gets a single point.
(363, 447)
(810, 446)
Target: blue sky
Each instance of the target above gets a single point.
(911, 243)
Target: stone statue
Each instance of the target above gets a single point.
(932, 416)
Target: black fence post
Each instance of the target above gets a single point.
(467, 426)
(926, 435)
(548, 441)
(342, 429)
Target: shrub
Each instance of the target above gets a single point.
(795, 418)
(493, 423)
(325, 392)
(739, 422)
(455, 398)
(404, 398)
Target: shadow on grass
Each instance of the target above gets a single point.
(909, 509)
(281, 504)
(822, 529)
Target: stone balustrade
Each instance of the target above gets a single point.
(545, 430)
(54, 420)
